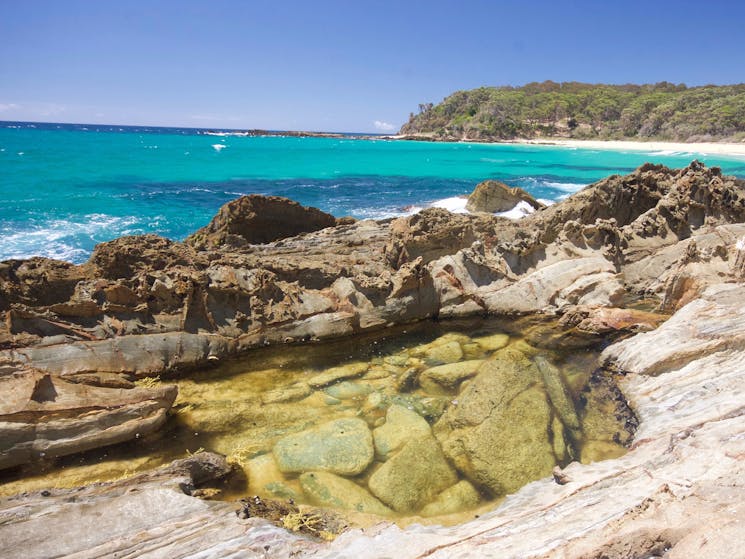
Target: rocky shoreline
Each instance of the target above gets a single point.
(75, 338)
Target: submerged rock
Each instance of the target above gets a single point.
(461, 496)
(448, 377)
(401, 424)
(343, 446)
(329, 490)
(498, 433)
(413, 476)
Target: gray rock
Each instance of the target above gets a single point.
(343, 446)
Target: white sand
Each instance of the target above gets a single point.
(704, 148)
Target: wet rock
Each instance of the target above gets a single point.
(498, 433)
(559, 395)
(291, 393)
(492, 342)
(413, 476)
(401, 424)
(448, 377)
(343, 446)
(448, 352)
(329, 490)
(334, 374)
(346, 390)
(494, 196)
(259, 219)
(461, 496)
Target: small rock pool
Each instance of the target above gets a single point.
(432, 422)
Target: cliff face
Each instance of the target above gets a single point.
(660, 111)
(74, 338)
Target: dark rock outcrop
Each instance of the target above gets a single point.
(494, 196)
(256, 219)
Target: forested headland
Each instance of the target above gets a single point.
(661, 111)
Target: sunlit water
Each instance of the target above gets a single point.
(65, 188)
(245, 408)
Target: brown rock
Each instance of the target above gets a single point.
(259, 219)
(494, 196)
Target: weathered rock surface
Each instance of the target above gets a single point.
(672, 235)
(259, 219)
(45, 416)
(494, 196)
(343, 446)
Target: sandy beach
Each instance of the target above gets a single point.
(705, 148)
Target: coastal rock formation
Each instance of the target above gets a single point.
(73, 339)
(494, 196)
(144, 305)
(677, 492)
(259, 219)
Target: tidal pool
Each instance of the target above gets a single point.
(435, 420)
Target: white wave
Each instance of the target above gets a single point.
(564, 186)
(546, 201)
(61, 238)
(218, 147)
(455, 204)
(520, 210)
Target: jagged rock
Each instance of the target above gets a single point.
(259, 219)
(494, 196)
(343, 446)
(413, 476)
(498, 433)
(400, 425)
(329, 490)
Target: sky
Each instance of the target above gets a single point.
(328, 65)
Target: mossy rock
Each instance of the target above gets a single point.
(343, 446)
(401, 425)
(329, 490)
(447, 377)
(413, 476)
(461, 496)
(498, 433)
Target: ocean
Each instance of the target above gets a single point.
(66, 187)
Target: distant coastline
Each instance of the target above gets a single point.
(714, 148)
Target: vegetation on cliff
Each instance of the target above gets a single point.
(661, 111)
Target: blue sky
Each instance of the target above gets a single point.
(337, 65)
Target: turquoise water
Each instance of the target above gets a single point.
(64, 188)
